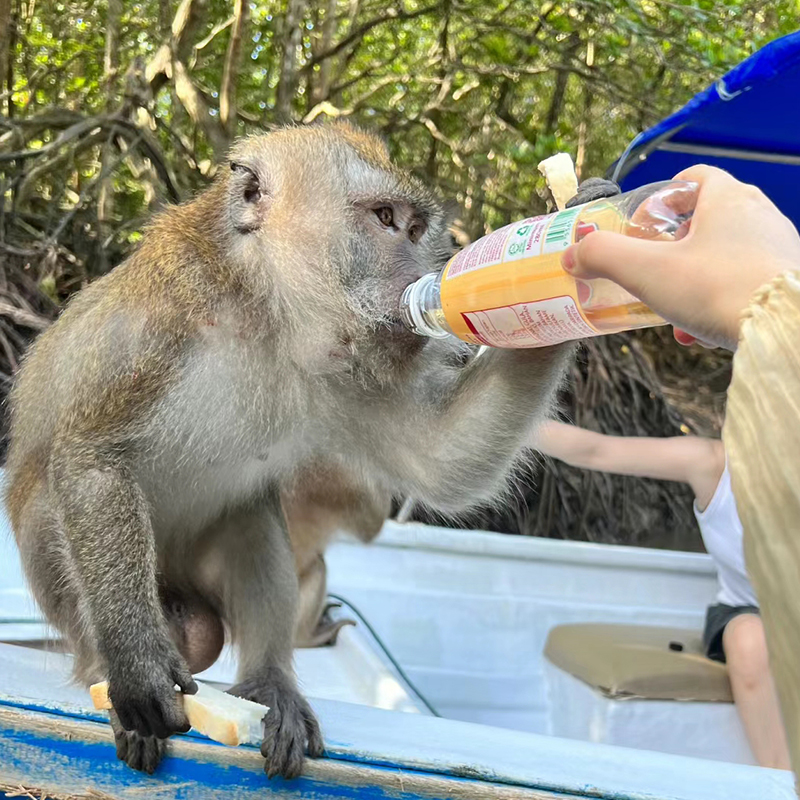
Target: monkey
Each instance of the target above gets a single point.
(254, 332)
(317, 503)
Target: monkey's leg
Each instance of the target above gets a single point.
(259, 599)
(315, 628)
(322, 499)
(114, 558)
(52, 579)
(311, 601)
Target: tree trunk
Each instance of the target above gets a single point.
(8, 43)
(189, 16)
(291, 38)
(105, 199)
(560, 88)
(197, 109)
(588, 94)
(230, 71)
(435, 113)
(320, 82)
(164, 17)
(5, 42)
(111, 57)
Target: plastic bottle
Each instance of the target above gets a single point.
(508, 289)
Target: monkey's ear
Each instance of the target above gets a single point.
(247, 198)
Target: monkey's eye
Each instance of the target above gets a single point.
(415, 231)
(385, 215)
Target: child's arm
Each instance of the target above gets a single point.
(689, 459)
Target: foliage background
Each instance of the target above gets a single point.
(111, 108)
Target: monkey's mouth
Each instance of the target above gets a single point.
(395, 325)
(393, 330)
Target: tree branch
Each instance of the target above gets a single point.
(5, 36)
(197, 109)
(391, 14)
(187, 19)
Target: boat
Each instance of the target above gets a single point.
(745, 123)
(480, 665)
(441, 689)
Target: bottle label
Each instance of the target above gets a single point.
(560, 231)
(536, 324)
(508, 289)
(525, 239)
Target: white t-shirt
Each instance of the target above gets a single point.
(722, 534)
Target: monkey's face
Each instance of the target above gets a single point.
(341, 228)
(395, 237)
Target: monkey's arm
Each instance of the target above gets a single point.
(457, 445)
(112, 546)
(466, 450)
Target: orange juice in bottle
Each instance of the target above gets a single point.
(508, 289)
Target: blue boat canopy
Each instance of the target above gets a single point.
(747, 123)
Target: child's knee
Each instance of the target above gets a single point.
(746, 649)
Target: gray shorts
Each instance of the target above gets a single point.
(717, 618)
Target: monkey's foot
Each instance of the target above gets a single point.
(290, 727)
(327, 630)
(140, 752)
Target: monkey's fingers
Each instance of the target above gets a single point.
(139, 752)
(130, 718)
(149, 705)
(282, 747)
(316, 747)
(593, 189)
(182, 676)
(166, 716)
(288, 727)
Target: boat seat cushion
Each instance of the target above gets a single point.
(636, 661)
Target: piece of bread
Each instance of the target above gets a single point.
(218, 715)
(559, 173)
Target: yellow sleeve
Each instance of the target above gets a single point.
(762, 439)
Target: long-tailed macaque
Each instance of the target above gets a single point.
(157, 425)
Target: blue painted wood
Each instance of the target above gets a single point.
(71, 765)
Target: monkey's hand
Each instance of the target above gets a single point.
(143, 692)
(290, 726)
(593, 189)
